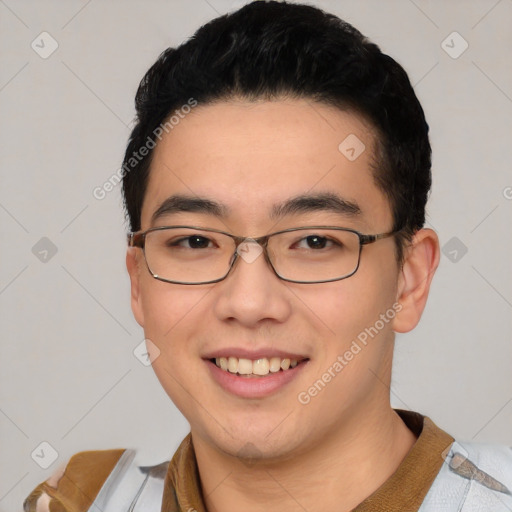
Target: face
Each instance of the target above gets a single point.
(248, 158)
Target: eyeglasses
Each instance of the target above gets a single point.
(195, 255)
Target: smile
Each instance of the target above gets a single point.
(256, 373)
(257, 367)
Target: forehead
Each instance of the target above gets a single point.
(252, 156)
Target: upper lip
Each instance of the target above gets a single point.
(242, 353)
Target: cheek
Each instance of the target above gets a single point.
(357, 344)
(169, 308)
(345, 309)
(356, 310)
(172, 315)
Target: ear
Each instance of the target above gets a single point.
(420, 263)
(133, 267)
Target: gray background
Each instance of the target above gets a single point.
(68, 373)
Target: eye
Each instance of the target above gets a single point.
(191, 242)
(314, 242)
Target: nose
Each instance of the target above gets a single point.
(252, 292)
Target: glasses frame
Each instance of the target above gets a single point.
(138, 239)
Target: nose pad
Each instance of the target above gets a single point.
(249, 250)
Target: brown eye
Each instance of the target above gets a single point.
(314, 242)
(191, 242)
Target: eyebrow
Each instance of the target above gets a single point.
(182, 203)
(326, 202)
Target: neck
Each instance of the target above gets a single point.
(336, 475)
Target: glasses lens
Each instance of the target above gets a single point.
(314, 255)
(188, 255)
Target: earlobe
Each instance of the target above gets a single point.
(420, 263)
(132, 265)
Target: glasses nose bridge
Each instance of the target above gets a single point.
(262, 241)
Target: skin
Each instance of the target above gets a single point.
(339, 448)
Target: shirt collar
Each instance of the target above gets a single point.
(413, 477)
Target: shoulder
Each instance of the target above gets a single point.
(75, 486)
(474, 477)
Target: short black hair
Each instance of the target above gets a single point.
(270, 50)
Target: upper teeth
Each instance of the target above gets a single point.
(257, 367)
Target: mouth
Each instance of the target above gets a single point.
(256, 368)
(255, 378)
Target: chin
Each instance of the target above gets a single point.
(257, 443)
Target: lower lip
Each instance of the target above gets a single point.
(254, 387)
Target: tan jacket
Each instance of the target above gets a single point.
(437, 475)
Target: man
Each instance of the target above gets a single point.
(275, 184)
